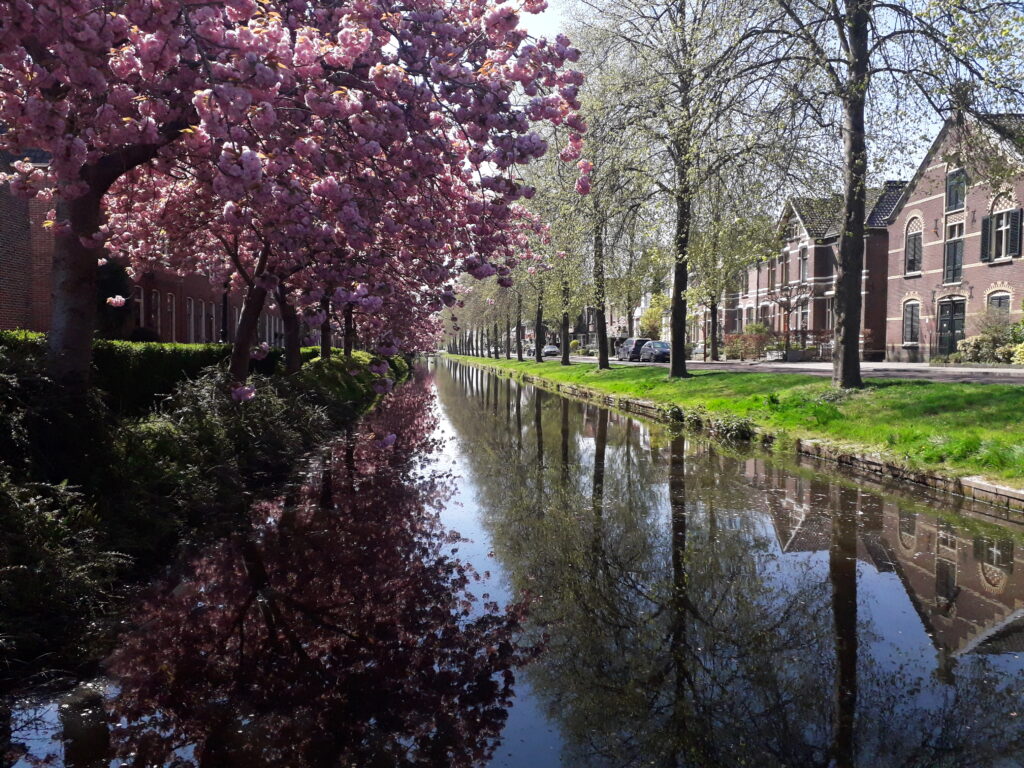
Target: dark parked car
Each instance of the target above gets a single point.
(655, 352)
(630, 349)
(550, 350)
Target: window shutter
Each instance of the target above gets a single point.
(1013, 247)
(947, 271)
(986, 238)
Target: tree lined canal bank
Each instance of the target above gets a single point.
(486, 573)
(960, 438)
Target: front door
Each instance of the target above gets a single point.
(951, 324)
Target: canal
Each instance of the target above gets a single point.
(485, 573)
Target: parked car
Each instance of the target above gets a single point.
(550, 350)
(630, 349)
(655, 352)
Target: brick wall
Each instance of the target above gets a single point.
(925, 209)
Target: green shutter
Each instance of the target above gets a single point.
(1013, 247)
(986, 238)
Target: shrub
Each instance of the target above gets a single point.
(574, 346)
(136, 375)
(50, 557)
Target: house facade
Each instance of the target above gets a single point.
(955, 244)
(164, 306)
(796, 288)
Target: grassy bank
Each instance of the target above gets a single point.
(957, 429)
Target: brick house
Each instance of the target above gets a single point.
(165, 306)
(800, 281)
(956, 240)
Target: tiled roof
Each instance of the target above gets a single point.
(823, 216)
(818, 214)
(882, 202)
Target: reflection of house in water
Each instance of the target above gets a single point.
(967, 588)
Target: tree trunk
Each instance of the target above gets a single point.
(849, 273)
(843, 577)
(326, 342)
(292, 333)
(599, 298)
(538, 332)
(508, 336)
(245, 333)
(497, 342)
(519, 327)
(350, 331)
(714, 330)
(677, 365)
(565, 322)
(74, 297)
(630, 311)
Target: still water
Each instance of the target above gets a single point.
(519, 580)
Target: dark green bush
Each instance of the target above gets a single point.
(136, 375)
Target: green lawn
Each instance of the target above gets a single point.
(960, 429)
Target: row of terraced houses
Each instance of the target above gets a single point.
(941, 251)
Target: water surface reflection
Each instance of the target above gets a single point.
(707, 607)
(693, 606)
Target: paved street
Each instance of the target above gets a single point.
(870, 370)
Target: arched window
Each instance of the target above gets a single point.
(201, 323)
(999, 301)
(914, 248)
(911, 322)
(1000, 232)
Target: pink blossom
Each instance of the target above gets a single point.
(243, 393)
(116, 301)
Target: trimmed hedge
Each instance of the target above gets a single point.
(135, 375)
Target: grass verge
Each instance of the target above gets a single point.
(953, 428)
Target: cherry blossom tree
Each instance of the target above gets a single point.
(401, 111)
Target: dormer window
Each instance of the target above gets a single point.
(956, 190)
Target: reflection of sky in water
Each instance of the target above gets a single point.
(783, 551)
(894, 645)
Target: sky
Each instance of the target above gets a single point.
(546, 24)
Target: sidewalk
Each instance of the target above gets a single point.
(892, 370)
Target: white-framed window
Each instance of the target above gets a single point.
(154, 310)
(999, 302)
(953, 266)
(803, 265)
(190, 319)
(172, 311)
(914, 247)
(138, 306)
(201, 323)
(956, 190)
(912, 322)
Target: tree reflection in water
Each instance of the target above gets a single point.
(336, 631)
(709, 609)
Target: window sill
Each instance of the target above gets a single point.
(911, 344)
(954, 284)
(1001, 260)
(918, 273)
